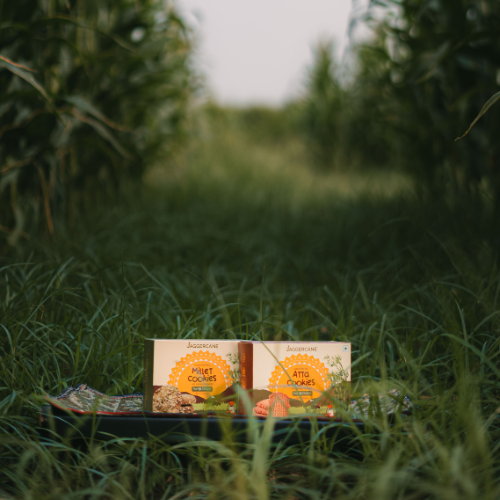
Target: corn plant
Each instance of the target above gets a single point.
(322, 106)
(90, 92)
(442, 63)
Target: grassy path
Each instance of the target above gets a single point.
(240, 239)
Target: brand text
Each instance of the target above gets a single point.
(202, 346)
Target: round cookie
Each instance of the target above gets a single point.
(167, 399)
(261, 412)
(188, 399)
(265, 403)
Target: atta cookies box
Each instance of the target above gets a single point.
(190, 376)
(295, 378)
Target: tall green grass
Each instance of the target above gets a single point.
(238, 243)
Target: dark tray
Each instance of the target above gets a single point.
(55, 422)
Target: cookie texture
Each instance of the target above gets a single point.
(279, 410)
(186, 409)
(265, 403)
(188, 399)
(261, 412)
(167, 399)
(277, 405)
(280, 397)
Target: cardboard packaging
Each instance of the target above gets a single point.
(190, 376)
(295, 378)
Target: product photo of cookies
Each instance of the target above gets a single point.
(168, 399)
(277, 405)
(188, 399)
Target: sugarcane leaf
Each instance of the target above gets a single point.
(431, 61)
(19, 70)
(88, 108)
(485, 108)
(63, 19)
(66, 42)
(25, 73)
(16, 64)
(104, 133)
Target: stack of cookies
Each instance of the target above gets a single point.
(168, 399)
(277, 405)
(280, 404)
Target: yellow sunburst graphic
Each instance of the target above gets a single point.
(201, 372)
(300, 376)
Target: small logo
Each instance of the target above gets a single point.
(346, 348)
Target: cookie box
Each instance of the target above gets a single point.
(295, 378)
(190, 376)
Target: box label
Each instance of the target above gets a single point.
(201, 371)
(296, 371)
(190, 376)
(303, 378)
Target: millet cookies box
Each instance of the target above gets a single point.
(190, 376)
(293, 378)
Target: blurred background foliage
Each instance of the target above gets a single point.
(418, 83)
(90, 93)
(322, 106)
(442, 63)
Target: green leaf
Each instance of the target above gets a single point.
(431, 61)
(104, 133)
(88, 108)
(72, 46)
(17, 65)
(487, 106)
(65, 19)
(24, 73)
